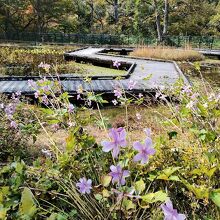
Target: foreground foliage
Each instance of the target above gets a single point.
(117, 178)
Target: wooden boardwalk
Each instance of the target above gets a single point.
(160, 74)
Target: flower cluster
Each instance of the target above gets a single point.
(10, 109)
(118, 141)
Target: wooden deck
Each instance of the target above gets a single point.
(160, 74)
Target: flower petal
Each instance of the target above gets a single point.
(113, 168)
(138, 157)
(107, 146)
(181, 217)
(151, 151)
(126, 173)
(137, 146)
(115, 152)
(89, 182)
(148, 142)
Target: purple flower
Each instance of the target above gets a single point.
(145, 150)
(118, 92)
(10, 109)
(55, 127)
(140, 95)
(18, 93)
(36, 94)
(31, 83)
(171, 213)
(118, 137)
(47, 153)
(116, 64)
(13, 124)
(71, 108)
(84, 185)
(118, 175)
(45, 100)
(78, 97)
(115, 102)
(195, 96)
(45, 89)
(131, 84)
(187, 89)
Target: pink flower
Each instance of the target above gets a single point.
(36, 94)
(170, 213)
(145, 150)
(13, 124)
(131, 84)
(140, 95)
(84, 185)
(116, 64)
(71, 108)
(118, 136)
(118, 92)
(31, 83)
(118, 175)
(115, 102)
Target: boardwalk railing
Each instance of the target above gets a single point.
(210, 42)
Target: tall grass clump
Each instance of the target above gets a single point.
(168, 54)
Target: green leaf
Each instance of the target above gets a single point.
(140, 186)
(27, 205)
(200, 192)
(70, 142)
(98, 197)
(215, 197)
(3, 213)
(159, 196)
(166, 173)
(128, 204)
(148, 77)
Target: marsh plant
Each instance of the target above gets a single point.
(170, 175)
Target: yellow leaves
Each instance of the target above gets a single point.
(27, 205)
(201, 192)
(140, 186)
(159, 196)
(70, 142)
(3, 213)
(166, 174)
(105, 180)
(105, 193)
(128, 204)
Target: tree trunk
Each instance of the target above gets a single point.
(92, 15)
(158, 24)
(116, 11)
(166, 12)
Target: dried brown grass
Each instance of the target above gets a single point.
(166, 53)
